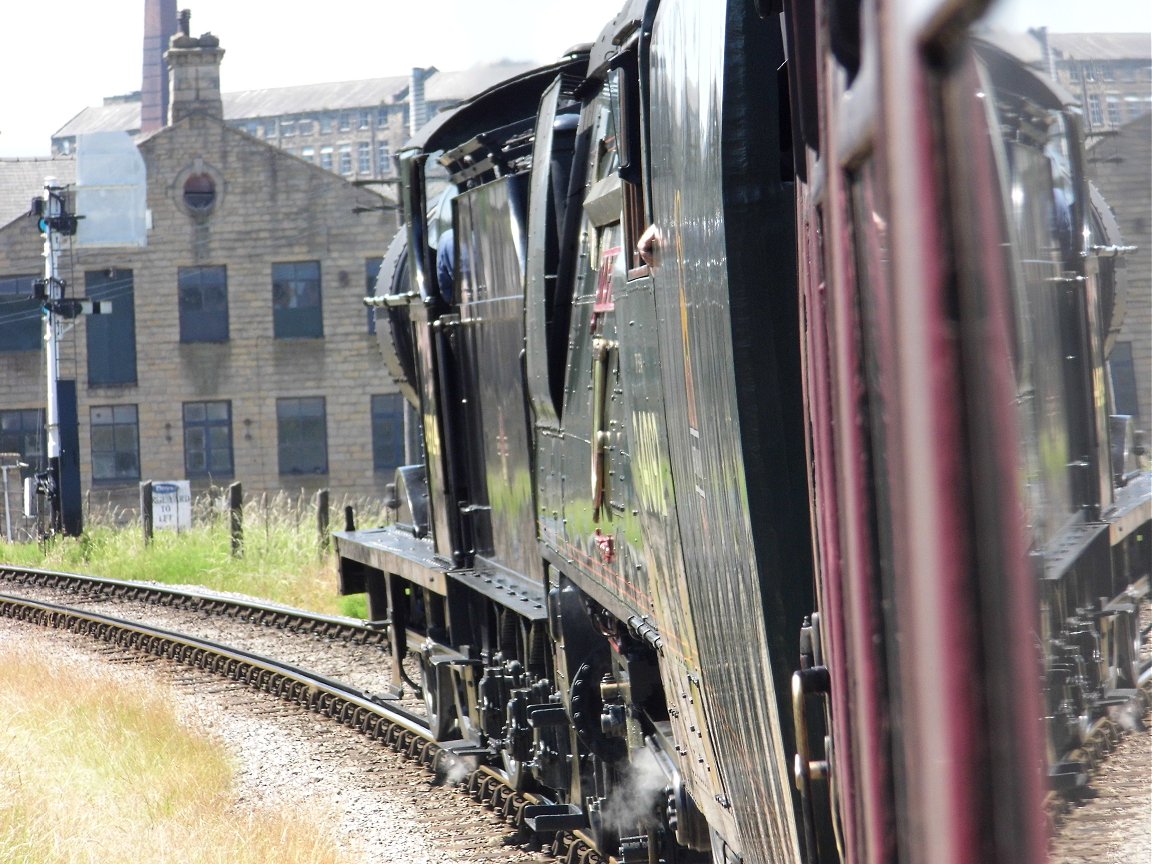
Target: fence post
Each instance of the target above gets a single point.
(146, 510)
(349, 518)
(236, 518)
(322, 520)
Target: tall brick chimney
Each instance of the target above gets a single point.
(194, 64)
(159, 27)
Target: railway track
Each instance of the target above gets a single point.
(343, 649)
(348, 692)
(254, 611)
(384, 720)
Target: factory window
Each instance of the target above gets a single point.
(1114, 118)
(325, 124)
(326, 158)
(346, 159)
(308, 154)
(345, 121)
(203, 304)
(387, 432)
(364, 157)
(20, 315)
(383, 159)
(111, 336)
(382, 116)
(22, 432)
(365, 118)
(296, 309)
(371, 271)
(208, 439)
(115, 443)
(1095, 115)
(302, 436)
(305, 127)
(287, 128)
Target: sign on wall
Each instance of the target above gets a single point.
(172, 505)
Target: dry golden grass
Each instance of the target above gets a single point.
(93, 772)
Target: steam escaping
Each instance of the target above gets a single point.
(632, 805)
(1127, 716)
(455, 770)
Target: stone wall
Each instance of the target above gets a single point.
(1118, 164)
(269, 207)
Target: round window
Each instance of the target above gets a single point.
(199, 193)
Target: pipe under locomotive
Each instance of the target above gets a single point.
(671, 420)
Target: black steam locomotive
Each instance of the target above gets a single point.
(769, 507)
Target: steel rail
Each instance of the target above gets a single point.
(405, 733)
(271, 614)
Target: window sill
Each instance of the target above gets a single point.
(116, 387)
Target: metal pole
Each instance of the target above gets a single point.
(53, 209)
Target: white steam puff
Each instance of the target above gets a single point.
(630, 808)
(457, 771)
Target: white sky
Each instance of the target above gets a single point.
(60, 56)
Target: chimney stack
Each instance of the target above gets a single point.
(195, 74)
(159, 27)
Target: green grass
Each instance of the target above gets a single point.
(282, 558)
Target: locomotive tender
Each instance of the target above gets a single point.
(770, 507)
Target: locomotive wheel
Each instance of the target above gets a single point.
(436, 682)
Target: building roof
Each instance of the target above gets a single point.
(244, 104)
(21, 180)
(336, 96)
(1101, 46)
(123, 113)
(120, 116)
(116, 115)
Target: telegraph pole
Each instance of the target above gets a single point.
(63, 500)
